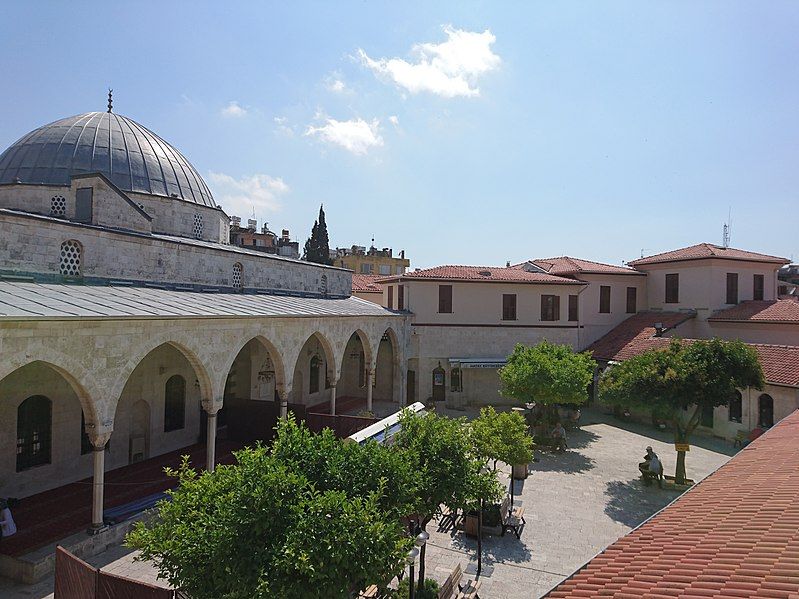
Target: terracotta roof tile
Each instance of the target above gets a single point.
(782, 311)
(365, 284)
(707, 250)
(637, 335)
(483, 273)
(758, 488)
(566, 265)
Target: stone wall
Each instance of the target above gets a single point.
(106, 366)
(30, 244)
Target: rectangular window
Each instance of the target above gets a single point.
(550, 307)
(732, 287)
(604, 299)
(736, 407)
(83, 205)
(366, 269)
(632, 300)
(445, 299)
(400, 297)
(384, 269)
(673, 288)
(508, 306)
(574, 314)
(390, 297)
(758, 286)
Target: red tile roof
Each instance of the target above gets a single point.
(566, 265)
(707, 250)
(783, 311)
(636, 335)
(484, 273)
(733, 535)
(365, 284)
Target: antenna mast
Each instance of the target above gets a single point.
(725, 240)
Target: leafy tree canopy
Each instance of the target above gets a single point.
(263, 528)
(547, 374)
(684, 376)
(501, 436)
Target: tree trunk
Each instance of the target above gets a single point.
(679, 474)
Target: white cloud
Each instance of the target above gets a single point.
(394, 120)
(448, 69)
(281, 126)
(337, 86)
(354, 135)
(238, 197)
(234, 110)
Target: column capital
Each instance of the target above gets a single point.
(99, 434)
(212, 406)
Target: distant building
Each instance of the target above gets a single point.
(264, 241)
(370, 262)
(788, 281)
(365, 287)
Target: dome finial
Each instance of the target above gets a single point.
(110, 99)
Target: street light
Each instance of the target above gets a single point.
(412, 555)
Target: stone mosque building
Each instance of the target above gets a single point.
(127, 320)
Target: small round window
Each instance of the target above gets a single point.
(70, 262)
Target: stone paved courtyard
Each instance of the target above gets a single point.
(576, 503)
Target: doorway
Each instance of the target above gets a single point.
(138, 447)
(439, 383)
(765, 411)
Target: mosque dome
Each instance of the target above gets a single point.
(134, 158)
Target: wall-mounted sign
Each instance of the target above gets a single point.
(682, 447)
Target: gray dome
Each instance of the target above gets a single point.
(134, 158)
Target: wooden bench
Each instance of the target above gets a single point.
(452, 587)
(512, 518)
(371, 592)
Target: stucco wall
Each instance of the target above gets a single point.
(703, 283)
(30, 244)
(594, 323)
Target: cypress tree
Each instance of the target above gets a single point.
(317, 247)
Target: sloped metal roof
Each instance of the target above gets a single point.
(23, 301)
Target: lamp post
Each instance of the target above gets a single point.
(421, 541)
(411, 561)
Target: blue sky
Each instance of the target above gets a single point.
(464, 133)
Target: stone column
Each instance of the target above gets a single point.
(283, 394)
(99, 440)
(370, 378)
(333, 399)
(211, 410)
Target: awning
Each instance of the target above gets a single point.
(477, 362)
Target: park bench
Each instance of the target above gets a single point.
(371, 592)
(512, 518)
(452, 587)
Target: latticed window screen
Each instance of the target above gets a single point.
(237, 270)
(58, 206)
(198, 225)
(70, 258)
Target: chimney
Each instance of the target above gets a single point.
(284, 234)
(252, 224)
(507, 264)
(402, 254)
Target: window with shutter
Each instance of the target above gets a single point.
(632, 300)
(732, 287)
(604, 299)
(508, 306)
(574, 314)
(673, 288)
(445, 299)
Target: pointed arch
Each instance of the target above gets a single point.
(316, 346)
(274, 355)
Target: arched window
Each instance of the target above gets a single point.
(71, 257)
(58, 206)
(237, 271)
(313, 383)
(174, 403)
(34, 432)
(736, 407)
(198, 225)
(765, 405)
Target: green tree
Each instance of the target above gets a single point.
(263, 528)
(501, 437)
(317, 247)
(678, 382)
(444, 464)
(547, 374)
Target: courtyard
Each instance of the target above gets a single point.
(576, 503)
